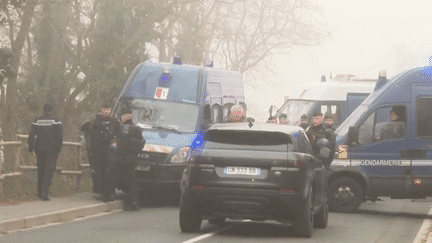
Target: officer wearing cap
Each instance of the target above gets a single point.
(103, 133)
(46, 140)
(315, 132)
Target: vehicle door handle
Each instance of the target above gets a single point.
(413, 153)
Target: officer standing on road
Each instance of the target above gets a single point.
(315, 132)
(86, 130)
(46, 140)
(103, 133)
(130, 143)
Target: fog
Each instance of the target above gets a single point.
(366, 36)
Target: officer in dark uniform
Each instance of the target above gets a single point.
(86, 130)
(315, 132)
(130, 143)
(103, 133)
(46, 140)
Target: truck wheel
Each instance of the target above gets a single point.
(304, 225)
(189, 218)
(321, 218)
(344, 195)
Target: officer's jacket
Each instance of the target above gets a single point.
(103, 132)
(46, 134)
(130, 139)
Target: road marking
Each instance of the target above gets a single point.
(201, 237)
(423, 230)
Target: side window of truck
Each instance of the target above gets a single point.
(424, 117)
(385, 123)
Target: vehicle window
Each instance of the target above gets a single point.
(247, 140)
(149, 113)
(385, 123)
(424, 117)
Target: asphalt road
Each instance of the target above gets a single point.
(383, 221)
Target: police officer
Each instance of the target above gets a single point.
(283, 119)
(315, 132)
(46, 140)
(130, 143)
(103, 133)
(86, 130)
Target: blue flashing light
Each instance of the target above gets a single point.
(323, 78)
(195, 140)
(177, 60)
(164, 80)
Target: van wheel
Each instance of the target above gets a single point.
(321, 218)
(218, 221)
(345, 195)
(304, 225)
(189, 218)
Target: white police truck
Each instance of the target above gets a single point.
(384, 148)
(339, 97)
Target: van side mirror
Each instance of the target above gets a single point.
(250, 119)
(352, 136)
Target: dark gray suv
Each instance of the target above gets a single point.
(258, 172)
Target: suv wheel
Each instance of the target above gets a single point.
(345, 195)
(190, 220)
(305, 220)
(321, 218)
(218, 221)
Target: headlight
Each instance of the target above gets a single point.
(182, 156)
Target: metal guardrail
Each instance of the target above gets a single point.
(18, 167)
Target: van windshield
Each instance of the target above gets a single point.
(357, 113)
(160, 114)
(295, 109)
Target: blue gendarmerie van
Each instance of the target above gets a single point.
(173, 104)
(384, 148)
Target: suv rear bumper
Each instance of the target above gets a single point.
(236, 203)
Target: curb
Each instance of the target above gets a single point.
(58, 216)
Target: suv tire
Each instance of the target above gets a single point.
(189, 218)
(321, 218)
(304, 225)
(345, 195)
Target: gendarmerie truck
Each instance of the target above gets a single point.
(384, 148)
(173, 104)
(338, 97)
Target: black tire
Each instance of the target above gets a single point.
(304, 224)
(218, 221)
(345, 195)
(321, 218)
(189, 218)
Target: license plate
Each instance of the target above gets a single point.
(143, 167)
(234, 170)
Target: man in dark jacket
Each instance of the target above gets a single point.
(86, 130)
(46, 140)
(304, 121)
(315, 132)
(103, 133)
(130, 143)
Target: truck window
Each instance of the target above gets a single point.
(424, 117)
(385, 123)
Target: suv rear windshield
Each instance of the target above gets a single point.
(247, 140)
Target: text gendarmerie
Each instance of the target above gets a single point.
(388, 162)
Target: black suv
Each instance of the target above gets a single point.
(258, 172)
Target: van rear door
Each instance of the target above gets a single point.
(421, 153)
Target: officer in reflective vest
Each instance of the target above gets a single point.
(46, 140)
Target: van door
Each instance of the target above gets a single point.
(421, 153)
(378, 153)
